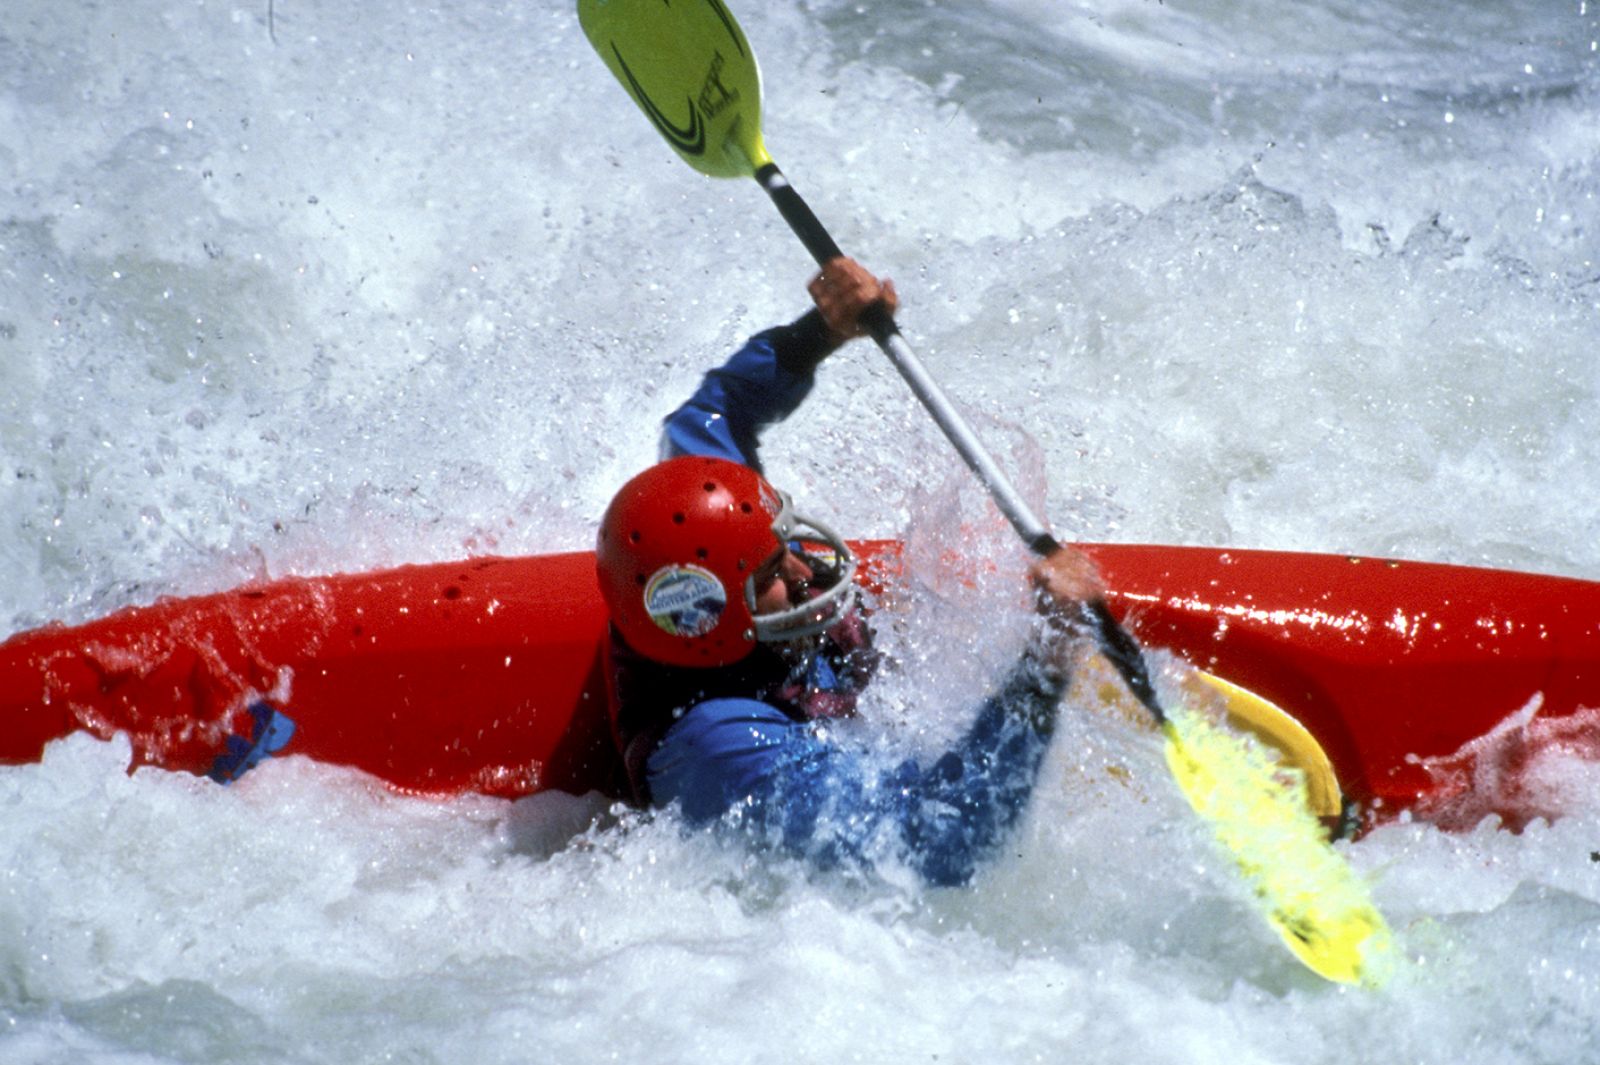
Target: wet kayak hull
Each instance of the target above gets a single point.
(486, 675)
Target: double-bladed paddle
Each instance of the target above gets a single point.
(688, 66)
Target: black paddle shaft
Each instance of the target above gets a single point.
(798, 214)
(1115, 641)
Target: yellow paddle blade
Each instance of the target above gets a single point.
(1260, 812)
(688, 66)
(1272, 725)
(1097, 683)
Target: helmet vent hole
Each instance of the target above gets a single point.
(678, 518)
(745, 507)
(701, 553)
(639, 579)
(634, 536)
(710, 486)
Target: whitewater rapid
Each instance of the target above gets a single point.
(301, 288)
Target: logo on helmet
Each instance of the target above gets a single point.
(685, 600)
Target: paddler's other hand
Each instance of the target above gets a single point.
(843, 291)
(1063, 581)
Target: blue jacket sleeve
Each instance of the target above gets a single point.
(761, 384)
(800, 792)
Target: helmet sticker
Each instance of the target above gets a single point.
(685, 600)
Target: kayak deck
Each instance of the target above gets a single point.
(487, 675)
(481, 675)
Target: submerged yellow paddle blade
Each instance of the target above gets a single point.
(688, 66)
(1273, 726)
(1259, 810)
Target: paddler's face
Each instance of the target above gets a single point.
(779, 581)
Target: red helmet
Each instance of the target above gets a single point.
(677, 554)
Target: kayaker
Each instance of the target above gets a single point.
(732, 646)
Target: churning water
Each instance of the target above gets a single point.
(292, 287)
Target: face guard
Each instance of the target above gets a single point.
(826, 553)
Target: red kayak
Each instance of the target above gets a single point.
(486, 675)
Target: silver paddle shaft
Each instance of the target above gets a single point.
(880, 323)
(1021, 516)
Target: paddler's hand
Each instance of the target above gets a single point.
(843, 291)
(1063, 581)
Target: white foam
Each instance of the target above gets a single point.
(298, 288)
